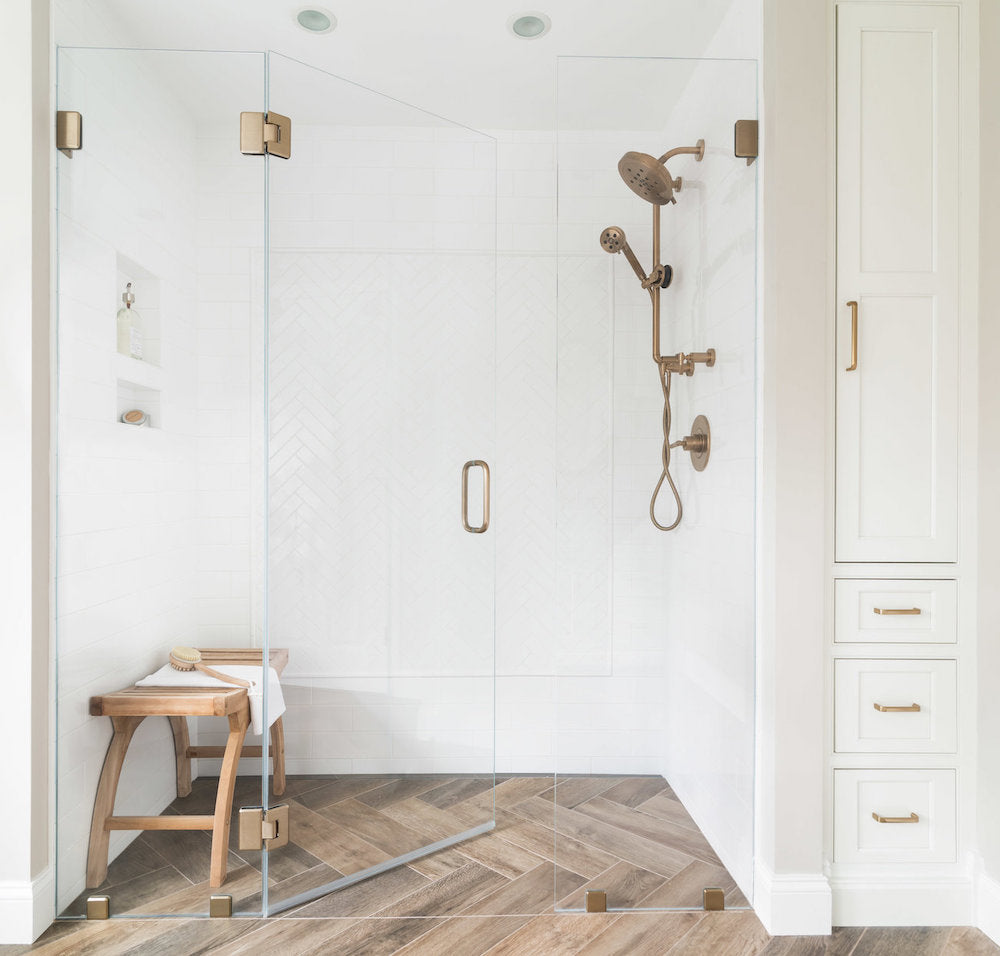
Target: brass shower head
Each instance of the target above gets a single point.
(613, 240)
(649, 178)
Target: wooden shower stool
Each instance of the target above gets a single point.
(130, 707)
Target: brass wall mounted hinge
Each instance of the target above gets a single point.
(258, 828)
(745, 140)
(69, 131)
(713, 898)
(98, 907)
(269, 133)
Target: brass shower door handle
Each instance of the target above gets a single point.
(854, 335)
(889, 611)
(891, 709)
(466, 468)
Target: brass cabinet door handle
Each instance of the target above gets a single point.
(887, 611)
(854, 336)
(466, 468)
(888, 709)
(912, 818)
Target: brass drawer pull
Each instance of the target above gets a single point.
(912, 818)
(887, 611)
(854, 336)
(912, 709)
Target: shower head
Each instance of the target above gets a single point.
(647, 177)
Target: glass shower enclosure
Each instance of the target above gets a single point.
(309, 347)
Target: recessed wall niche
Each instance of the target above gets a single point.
(146, 289)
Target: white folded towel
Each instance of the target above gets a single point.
(168, 676)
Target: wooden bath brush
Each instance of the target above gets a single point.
(189, 659)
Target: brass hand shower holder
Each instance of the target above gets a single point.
(650, 179)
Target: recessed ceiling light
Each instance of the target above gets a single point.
(316, 20)
(529, 26)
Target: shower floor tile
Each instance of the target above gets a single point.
(504, 892)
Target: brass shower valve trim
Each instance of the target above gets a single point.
(683, 363)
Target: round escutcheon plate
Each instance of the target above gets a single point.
(699, 455)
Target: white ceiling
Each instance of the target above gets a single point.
(455, 58)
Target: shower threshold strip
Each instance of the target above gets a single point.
(344, 881)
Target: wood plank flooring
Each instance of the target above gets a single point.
(506, 892)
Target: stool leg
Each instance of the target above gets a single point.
(104, 801)
(179, 727)
(278, 757)
(238, 723)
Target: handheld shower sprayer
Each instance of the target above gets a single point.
(613, 240)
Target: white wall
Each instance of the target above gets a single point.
(25, 877)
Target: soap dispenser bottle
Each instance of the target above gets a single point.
(129, 324)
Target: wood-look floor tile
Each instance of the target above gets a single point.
(190, 937)
(241, 882)
(687, 841)
(569, 791)
(436, 865)
(304, 881)
(841, 942)
(137, 859)
(571, 854)
(141, 895)
(534, 892)
(649, 855)
(368, 896)
(189, 851)
(967, 941)
(465, 935)
(401, 789)
(341, 788)
(668, 808)
(374, 937)
(449, 895)
(331, 843)
(723, 934)
(287, 937)
(117, 937)
(627, 886)
(506, 793)
(555, 935)
(425, 817)
(635, 790)
(642, 934)
(284, 862)
(378, 829)
(903, 941)
(455, 791)
(492, 850)
(685, 889)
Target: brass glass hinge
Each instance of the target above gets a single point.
(69, 131)
(269, 133)
(258, 828)
(745, 140)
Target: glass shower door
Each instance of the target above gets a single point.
(379, 435)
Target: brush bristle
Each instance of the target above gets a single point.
(184, 658)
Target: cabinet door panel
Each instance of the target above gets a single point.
(897, 257)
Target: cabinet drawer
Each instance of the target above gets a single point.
(863, 612)
(894, 795)
(865, 693)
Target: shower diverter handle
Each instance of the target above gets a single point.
(683, 363)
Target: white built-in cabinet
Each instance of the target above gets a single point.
(897, 258)
(896, 650)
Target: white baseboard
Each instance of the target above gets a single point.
(792, 904)
(901, 901)
(27, 909)
(987, 904)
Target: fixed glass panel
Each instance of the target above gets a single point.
(655, 647)
(380, 396)
(153, 460)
